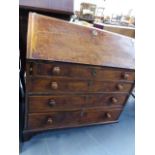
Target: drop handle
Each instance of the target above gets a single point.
(49, 120)
(54, 85)
(52, 103)
(56, 70)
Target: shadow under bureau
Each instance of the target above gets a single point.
(75, 75)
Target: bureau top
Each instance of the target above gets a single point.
(57, 40)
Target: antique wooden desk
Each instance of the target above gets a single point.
(75, 76)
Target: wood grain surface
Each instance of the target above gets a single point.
(48, 103)
(54, 39)
(71, 118)
(78, 71)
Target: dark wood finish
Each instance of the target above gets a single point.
(61, 102)
(61, 6)
(77, 71)
(61, 12)
(62, 9)
(98, 86)
(52, 85)
(53, 119)
(74, 78)
(64, 102)
(94, 116)
(106, 99)
(71, 118)
(57, 40)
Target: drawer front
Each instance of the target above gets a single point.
(71, 118)
(99, 86)
(71, 85)
(53, 119)
(56, 85)
(61, 102)
(67, 70)
(97, 116)
(108, 100)
(79, 71)
(55, 102)
(113, 74)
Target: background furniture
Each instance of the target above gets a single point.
(87, 12)
(75, 76)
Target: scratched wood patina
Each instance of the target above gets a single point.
(58, 40)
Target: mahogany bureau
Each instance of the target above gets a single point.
(75, 75)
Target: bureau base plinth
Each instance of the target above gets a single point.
(28, 134)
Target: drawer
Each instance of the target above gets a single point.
(113, 74)
(61, 102)
(71, 118)
(59, 69)
(100, 115)
(56, 85)
(112, 86)
(79, 71)
(52, 85)
(106, 99)
(55, 102)
(53, 119)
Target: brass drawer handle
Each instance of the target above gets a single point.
(51, 102)
(125, 76)
(108, 115)
(49, 120)
(120, 87)
(114, 100)
(56, 70)
(54, 85)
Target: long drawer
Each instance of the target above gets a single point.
(61, 102)
(79, 71)
(71, 118)
(52, 85)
